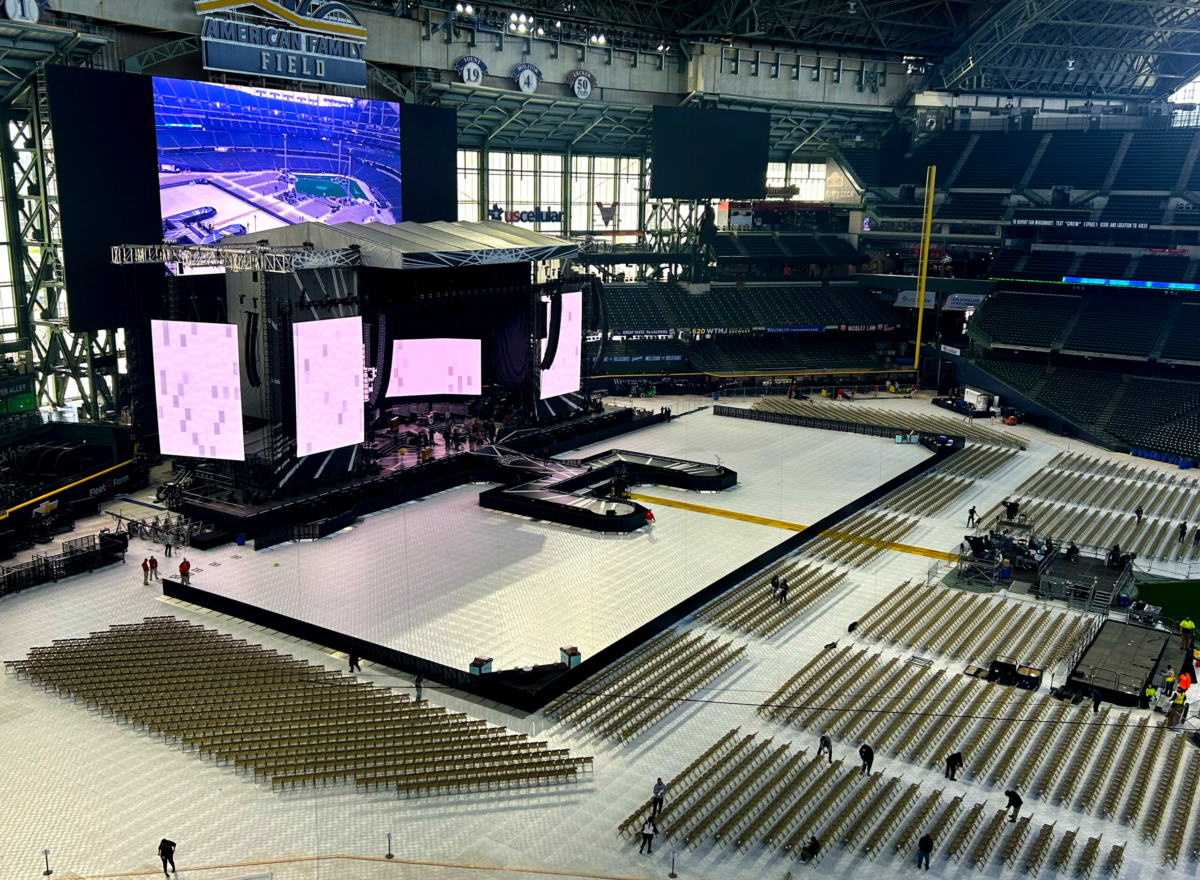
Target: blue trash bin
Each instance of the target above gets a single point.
(241, 539)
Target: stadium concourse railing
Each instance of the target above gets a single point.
(558, 679)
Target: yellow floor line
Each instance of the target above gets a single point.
(783, 524)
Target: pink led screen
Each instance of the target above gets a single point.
(329, 378)
(198, 389)
(434, 366)
(563, 375)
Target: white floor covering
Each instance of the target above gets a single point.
(100, 795)
(447, 580)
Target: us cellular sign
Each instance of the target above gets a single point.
(308, 40)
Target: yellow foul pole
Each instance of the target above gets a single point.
(926, 225)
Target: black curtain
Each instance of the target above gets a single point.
(510, 335)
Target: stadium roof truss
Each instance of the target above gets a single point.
(1116, 48)
(1105, 48)
(513, 121)
(897, 27)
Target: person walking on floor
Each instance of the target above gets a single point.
(811, 849)
(1185, 682)
(153, 569)
(419, 683)
(648, 833)
(1182, 531)
(354, 664)
(971, 516)
(1168, 682)
(1187, 629)
(954, 763)
(1014, 802)
(145, 571)
(185, 569)
(1138, 513)
(166, 852)
(1097, 699)
(783, 591)
(660, 792)
(825, 746)
(868, 758)
(924, 850)
(774, 585)
(168, 543)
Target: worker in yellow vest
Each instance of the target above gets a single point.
(1178, 709)
(1187, 629)
(1148, 697)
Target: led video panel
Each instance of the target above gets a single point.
(197, 388)
(328, 357)
(434, 366)
(238, 159)
(563, 375)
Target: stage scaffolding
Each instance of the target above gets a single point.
(66, 366)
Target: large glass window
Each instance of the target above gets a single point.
(525, 182)
(468, 185)
(809, 180)
(604, 193)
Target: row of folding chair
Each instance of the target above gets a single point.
(877, 840)
(1164, 787)
(1140, 782)
(1182, 814)
(1107, 755)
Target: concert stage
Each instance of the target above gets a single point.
(430, 585)
(1122, 659)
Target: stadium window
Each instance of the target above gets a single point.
(498, 179)
(1189, 94)
(550, 190)
(597, 184)
(581, 190)
(522, 184)
(468, 185)
(777, 173)
(809, 180)
(629, 171)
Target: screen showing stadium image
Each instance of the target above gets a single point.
(563, 375)
(237, 159)
(435, 367)
(328, 358)
(197, 389)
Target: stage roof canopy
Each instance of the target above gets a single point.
(418, 245)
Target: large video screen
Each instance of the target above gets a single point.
(563, 375)
(237, 159)
(197, 388)
(435, 367)
(329, 384)
(709, 154)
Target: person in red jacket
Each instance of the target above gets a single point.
(649, 519)
(184, 568)
(153, 569)
(145, 571)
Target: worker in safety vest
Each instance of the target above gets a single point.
(1177, 709)
(1148, 697)
(1168, 685)
(1187, 629)
(1185, 682)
